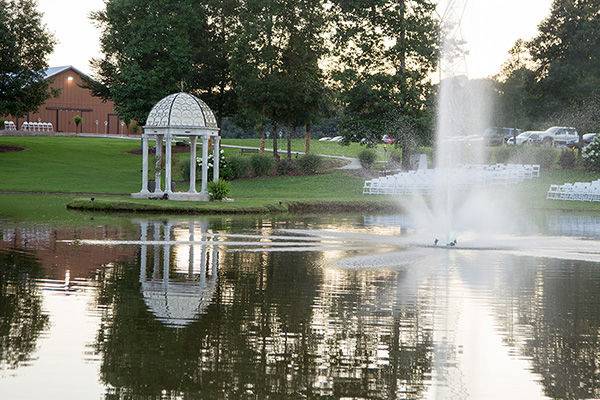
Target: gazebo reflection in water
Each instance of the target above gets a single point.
(178, 280)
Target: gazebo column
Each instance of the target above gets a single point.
(168, 163)
(203, 241)
(191, 261)
(156, 258)
(166, 253)
(193, 144)
(216, 157)
(205, 164)
(144, 165)
(158, 164)
(144, 250)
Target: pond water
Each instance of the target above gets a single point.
(318, 307)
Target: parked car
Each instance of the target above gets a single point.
(387, 139)
(535, 138)
(589, 138)
(525, 137)
(337, 139)
(560, 136)
(496, 136)
(367, 142)
(325, 139)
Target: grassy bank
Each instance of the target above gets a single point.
(82, 168)
(533, 193)
(316, 147)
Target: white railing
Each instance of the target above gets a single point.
(425, 181)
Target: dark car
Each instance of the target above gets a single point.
(496, 136)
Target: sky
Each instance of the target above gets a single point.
(490, 28)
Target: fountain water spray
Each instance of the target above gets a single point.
(464, 109)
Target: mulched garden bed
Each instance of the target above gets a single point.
(10, 149)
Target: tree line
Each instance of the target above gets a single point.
(554, 79)
(273, 65)
(361, 68)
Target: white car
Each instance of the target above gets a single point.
(337, 139)
(560, 136)
(589, 137)
(325, 139)
(524, 137)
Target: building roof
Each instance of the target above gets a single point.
(53, 71)
(181, 111)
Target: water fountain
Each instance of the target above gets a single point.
(461, 197)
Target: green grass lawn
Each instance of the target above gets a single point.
(74, 165)
(70, 164)
(316, 147)
(533, 193)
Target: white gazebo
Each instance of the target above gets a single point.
(180, 115)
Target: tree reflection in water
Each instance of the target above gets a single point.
(550, 313)
(275, 325)
(22, 319)
(278, 325)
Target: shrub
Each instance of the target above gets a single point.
(184, 166)
(310, 164)
(262, 165)
(286, 167)
(395, 156)
(222, 164)
(567, 159)
(367, 158)
(502, 154)
(134, 127)
(219, 190)
(544, 156)
(591, 155)
(236, 168)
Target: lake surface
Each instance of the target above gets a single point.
(330, 307)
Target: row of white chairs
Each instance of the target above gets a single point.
(578, 191)
(10, 126)
(37, 127)
(424, 181)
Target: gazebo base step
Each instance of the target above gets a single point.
(177, 196)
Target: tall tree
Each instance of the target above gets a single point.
(302, 74)
(254, 64)
(518, 94)
(386, 51)
(25, 45)
(275, 63)
(567, 53)
(211, 44)
(147, 52)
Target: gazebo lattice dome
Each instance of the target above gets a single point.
(179, 115)
(183, 111)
